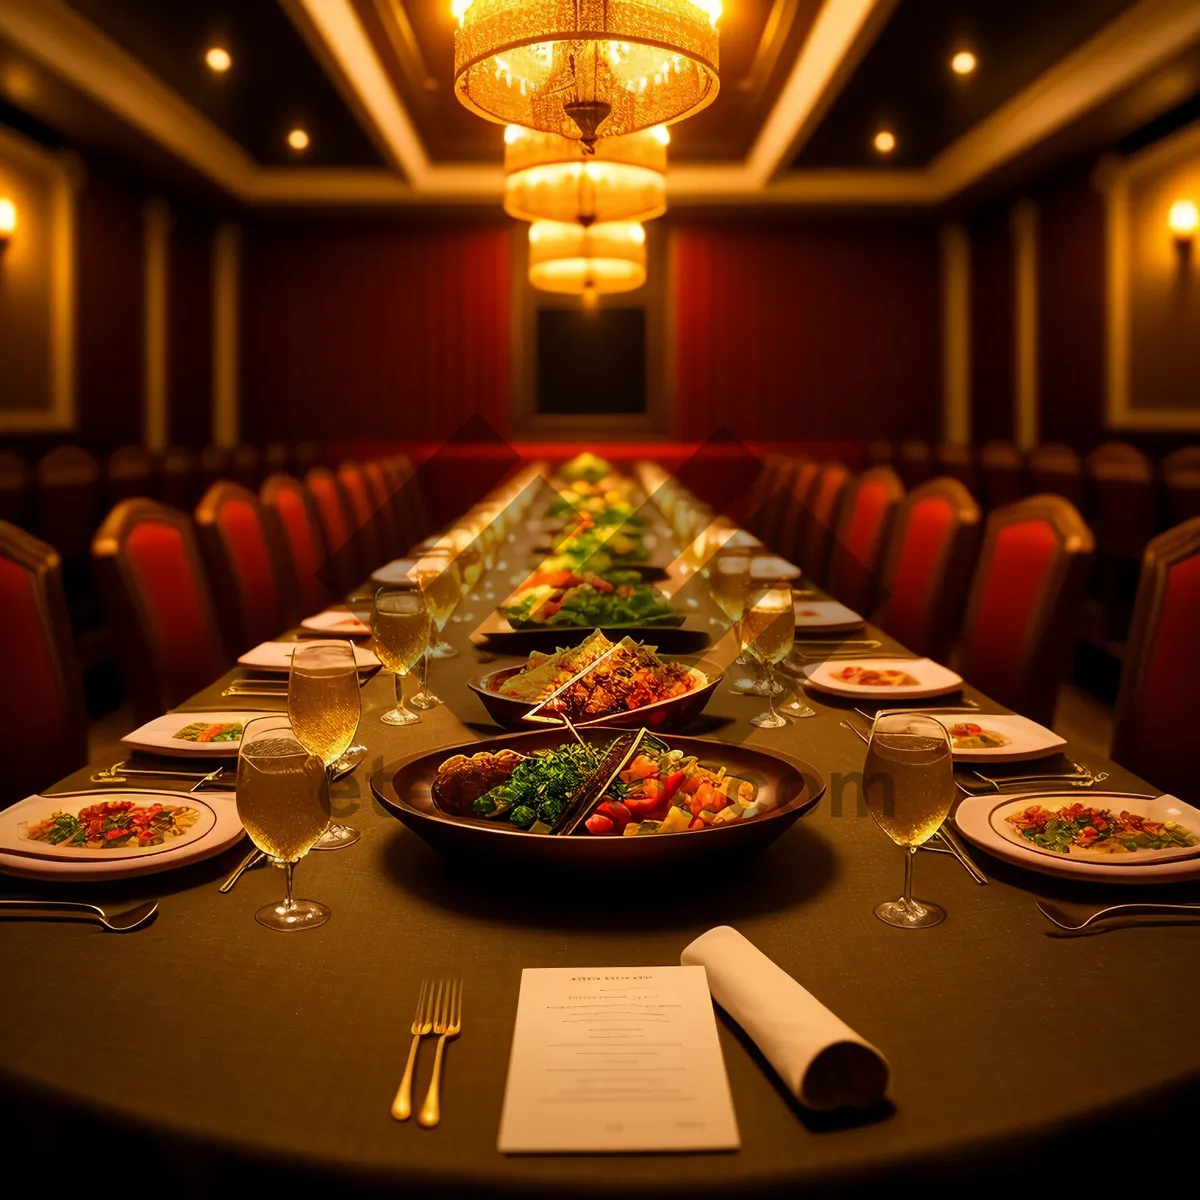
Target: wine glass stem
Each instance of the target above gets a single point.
(771, 688)
(288, 868)
(910, 852)
(399, 689)
(425, 668)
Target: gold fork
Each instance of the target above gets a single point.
(446, 1024)
(421, 1025)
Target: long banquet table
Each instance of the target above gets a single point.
(211, 1052)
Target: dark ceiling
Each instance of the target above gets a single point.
(275, 82)
(904, 82)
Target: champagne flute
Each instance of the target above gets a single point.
(767, 629)
(729, 581)
(908, 779)
(324, 706)
(437, 575)
(469, 561)
(400, 626)
(283, 801)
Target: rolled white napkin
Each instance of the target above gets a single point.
(824, 1063)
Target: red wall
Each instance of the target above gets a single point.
(806, 330)
(380, 330)
(991, 326)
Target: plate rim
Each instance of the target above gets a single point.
(917, 693)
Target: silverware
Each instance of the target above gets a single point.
(833, 640)
(1064, 920)
(251, 860)
(853, 654)
(68, 910)
(447, 1023)
(967, 706)
(422, 1024)
(1074, 779)
(120, 773)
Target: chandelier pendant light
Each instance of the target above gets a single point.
(586, 69)
(587, 260)
(549, 178)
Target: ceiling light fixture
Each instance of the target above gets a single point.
(587, 261)
(550, 178)
(298, 140)
(218, 59)
(964, 63)
(586, 69)
(885, 141)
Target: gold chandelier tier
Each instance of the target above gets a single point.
(589, 260)
(550, 178)
(586, 69)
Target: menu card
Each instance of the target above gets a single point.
(616, 1059)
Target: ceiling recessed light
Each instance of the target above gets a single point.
(885, 141)
(218, 59)
(964, 63)
(298, 139)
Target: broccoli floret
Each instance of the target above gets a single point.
(522, 816)
(550, 808)
(484, 805)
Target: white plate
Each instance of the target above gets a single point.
(396, 573)
(932, 678)
(336, 621)
(277, 656)
(764, 567)
(826, 616)
(223, 829)
(158, 736)
(974, 821)
(1027, 739)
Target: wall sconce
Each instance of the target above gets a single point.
(1183, 220)
(8, 220)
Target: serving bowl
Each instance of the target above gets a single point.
(404, 788)
(676, 712)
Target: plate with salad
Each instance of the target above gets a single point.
(609, 799)
(192, 734)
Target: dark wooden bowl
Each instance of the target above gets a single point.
(689, 638)
(404, 789)
(660, 717)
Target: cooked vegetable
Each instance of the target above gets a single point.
(1078, 827)
(203, 731)
(114, 824)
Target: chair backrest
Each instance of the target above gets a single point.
(415, 513)
(333, 514)
(1001, 473)
(958, 462)
(177, 477)
(159, 606)
(362, 510)
(861, 539)
(69, 501)
(795, 487)
(402, 484)
(879, 453)
(15, 489)
(820, 519)
(914, 463)
(1154, 731)
(379, 485)
(130, 473)
(1019, 630)
(1123, 503)
(761, 490)
(241, 567)
(1181, 479)
(41, 692)
(294, 530)
(1056, 469)
(935, 532)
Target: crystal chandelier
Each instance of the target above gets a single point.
(587, 260)
(586, 69)
(548, 177)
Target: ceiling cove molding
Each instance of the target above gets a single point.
(1146, 36)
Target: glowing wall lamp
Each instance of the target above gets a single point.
(1183, 220)
(8, 220)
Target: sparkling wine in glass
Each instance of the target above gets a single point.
(437, 574)
(729, 581)
(908, 779)
(400, 627)
(283, 802)
(767, 629)
(325, 707)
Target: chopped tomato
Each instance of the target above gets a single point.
(674, 779)
(642, 767)
(704, 795)
(598, 823)
(641, 807)
(616, 812)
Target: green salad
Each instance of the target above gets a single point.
(587, 606)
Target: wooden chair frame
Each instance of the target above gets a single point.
(277, 537)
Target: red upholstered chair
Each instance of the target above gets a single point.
(414, 513)
(1181, 480)
(820, 519)
(41, 692)
(15, 489)
(333, 514)
(796, 483)
(861, 537)
(915, 463)
(1056, 469)
(69, 501)
(158, 602)
(1155, 728)
(957, 462)
(130, 473)
(935, 532)
(362, 508)
(241, 567)
(177, 477)
(1019, 630)
(294, 531)
(771, 497)
(379, 486)
(759, 493)
(1001, 473)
